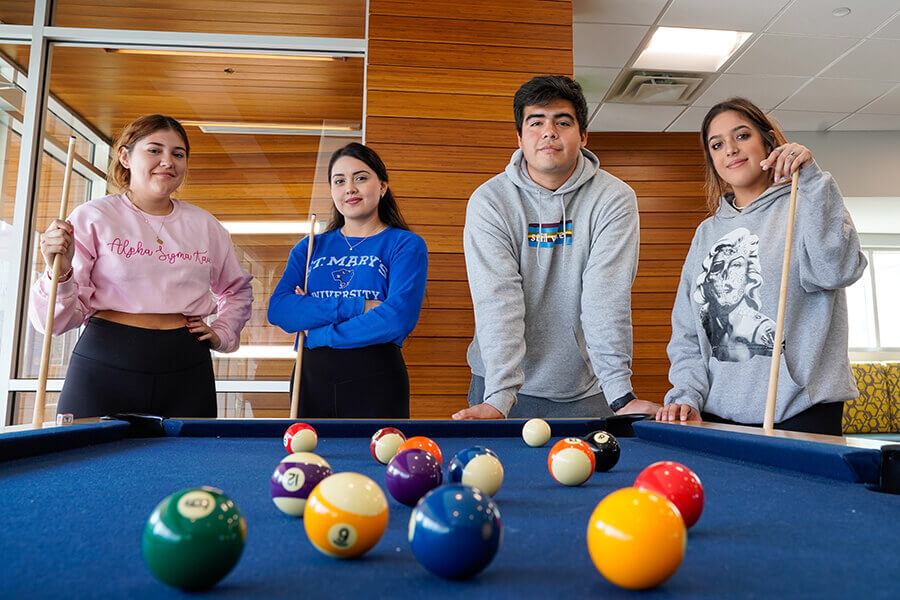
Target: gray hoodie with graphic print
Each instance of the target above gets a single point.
(723, 321)
(550, 274)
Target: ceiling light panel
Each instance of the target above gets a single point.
(683, 49)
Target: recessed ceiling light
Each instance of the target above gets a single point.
(842, 11)
(245, 128)
(270, 227)
(204, 54)
(682, 49)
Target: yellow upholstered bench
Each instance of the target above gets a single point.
(892, 372)
(877, 410)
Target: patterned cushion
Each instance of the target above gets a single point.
(892, 370)
(870, 413)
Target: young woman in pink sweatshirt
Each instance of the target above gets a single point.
(137, 270)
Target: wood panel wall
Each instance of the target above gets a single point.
(666, 172)
(440, 82)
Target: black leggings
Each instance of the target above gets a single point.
(356, 383)
(117, 368)
(818, 418)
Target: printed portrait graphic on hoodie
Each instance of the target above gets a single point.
(728, 293)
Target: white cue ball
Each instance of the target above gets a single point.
(536, 433)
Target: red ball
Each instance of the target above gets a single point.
(678, 484)
(385, 443)
(300, 437)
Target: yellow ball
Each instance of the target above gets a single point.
(636, 538)
(346, 515)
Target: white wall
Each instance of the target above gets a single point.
(864, 163)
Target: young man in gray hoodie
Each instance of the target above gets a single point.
(551, 249)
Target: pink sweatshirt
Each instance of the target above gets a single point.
(118, 265)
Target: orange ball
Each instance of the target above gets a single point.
(346, 515)
(571, 461)
(422, 443)
(636, 538)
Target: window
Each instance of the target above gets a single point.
(871, 303)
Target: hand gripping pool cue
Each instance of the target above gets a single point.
(37, 420)
(301, 335)
(769, 420)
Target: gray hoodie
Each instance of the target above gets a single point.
(550, 274)
(723, 322)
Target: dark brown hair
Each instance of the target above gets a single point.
(771, 134)
(388, 210)
(546, 89)
(119, 177)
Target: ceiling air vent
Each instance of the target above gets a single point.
(648, 87)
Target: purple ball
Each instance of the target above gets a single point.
(411, 474)
(294, 479)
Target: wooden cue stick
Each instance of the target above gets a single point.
(301, 335)
(769, 420)
(37, 420)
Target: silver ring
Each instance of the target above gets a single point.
(792, 154)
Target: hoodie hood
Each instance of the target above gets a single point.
(762, 202)
(517, 171)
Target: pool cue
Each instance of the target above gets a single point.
(769, 420)
(301, 335)
(37, 420)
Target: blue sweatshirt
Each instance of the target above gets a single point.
(390, 267)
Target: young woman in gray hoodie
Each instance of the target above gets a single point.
(723, 321)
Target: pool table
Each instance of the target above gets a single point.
(783, 517)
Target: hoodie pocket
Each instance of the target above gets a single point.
(738, 390)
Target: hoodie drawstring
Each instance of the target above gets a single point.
(540, 239)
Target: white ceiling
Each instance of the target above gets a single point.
(810, 70)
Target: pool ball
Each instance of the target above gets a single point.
(636, 538)
(606, 449)
(422, 443)
(536, 432)
(411, 474)
(678, 484)
(193, 538)
(300, 437)
(455, 531)
(385, 443)
(571, 461)
(346, 515)
(293, 480)
(477, 467)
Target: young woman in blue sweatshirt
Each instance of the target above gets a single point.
(365, 290)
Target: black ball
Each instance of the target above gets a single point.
(606, 449)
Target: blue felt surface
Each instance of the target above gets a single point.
(74, 520)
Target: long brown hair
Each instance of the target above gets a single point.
(771, 134)
(119, 177)
(388, 210)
